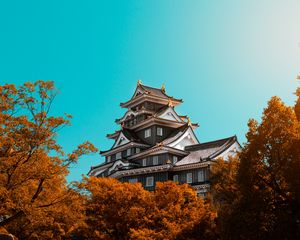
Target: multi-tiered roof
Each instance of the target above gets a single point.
(154, 138)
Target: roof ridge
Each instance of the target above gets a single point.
(142, 85)
(159, 89)
(212, 142)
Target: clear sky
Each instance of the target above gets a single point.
(225, 59)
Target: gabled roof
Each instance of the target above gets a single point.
(95, 170)
(208, 150)
(154, 91)
(183, 138)
(132, 140)
(212, 144)
(152, 120)
(158, 94)
(121, 140)
(175, 134)
(113, 135)
(158, 149)
(131, 135)
(168, 112)
(134, 113)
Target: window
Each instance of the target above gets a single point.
(175, 178)
(200, 195)
(137, 150)
(144, 162)
(149, 181)
(200, 176)
(159, 131)
(108, 158)
(189, 177)
(155, 160)
(175, 159)
(128, 152)
(133, 180)
(120, 141)
(118, 155)
(147, 133)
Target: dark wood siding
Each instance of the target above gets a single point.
(158, 177)
(154, 138)
(166, 132)
(162, 159)
(182, 175)
(150, 140)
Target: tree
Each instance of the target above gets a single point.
(113, 208)
(179, 214)
(116, 210)
(35, 201)
(225, 193)
(267, 203)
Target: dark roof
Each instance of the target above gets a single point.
(131, 135)
(155, 91)
(161, 110)
(175, 134)
(212, 144)
(208, 150)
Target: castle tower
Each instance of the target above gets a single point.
(156, 144)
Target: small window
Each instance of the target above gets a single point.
(200, 195)
(121, 140)
(108, 158)
(149, 181)
(144, 162)
(189, 177)
(175, 159)
(155, 160)
(147, 133)
(175, 178)
(118, 155)
(200, 176)
(137, 150)
(128, 152)
(159, 131)
(133, 180)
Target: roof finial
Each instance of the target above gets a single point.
(139, 82)
(163, 88)
(189, 121)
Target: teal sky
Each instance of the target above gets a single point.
(225, 59)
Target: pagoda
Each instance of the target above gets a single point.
(155, 144)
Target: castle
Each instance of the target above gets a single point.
(155, 144)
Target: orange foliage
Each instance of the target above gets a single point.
(116, 210)
(35, 201)
(261, 197)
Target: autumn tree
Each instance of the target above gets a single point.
(178, 214)
(266, 183)
(225, 193)
(113, 208)
(116, 210)
(35, 201)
